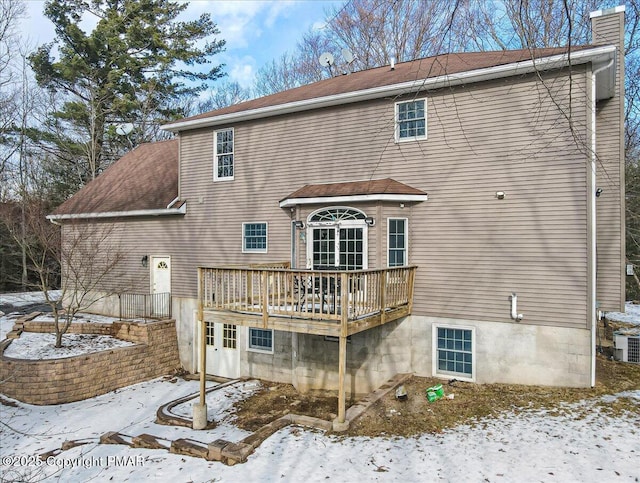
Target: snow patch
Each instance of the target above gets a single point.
(27, 298)
(38, 346)
(631, 314)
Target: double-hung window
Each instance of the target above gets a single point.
(254, 237)
(397, 242)
(223, 155)
(411, 120)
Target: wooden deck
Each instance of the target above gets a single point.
(323, 302)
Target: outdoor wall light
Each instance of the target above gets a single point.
(299, 224)
(598, 192)
(370, 221)
(145, 261)
(500, 195)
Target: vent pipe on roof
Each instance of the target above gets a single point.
(393, 63)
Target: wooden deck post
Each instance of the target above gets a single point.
(200, 410)
(412, 280)
(342, 358)
(203, 336)
(265, 299)
(382, 295)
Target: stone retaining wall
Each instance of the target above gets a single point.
(75, 328)
(56, 381)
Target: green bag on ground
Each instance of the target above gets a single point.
(435, 392)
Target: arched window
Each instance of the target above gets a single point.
(337, 214)
(338, 239)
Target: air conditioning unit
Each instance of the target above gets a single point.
(626, 344)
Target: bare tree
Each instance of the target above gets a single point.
(73, 274)
(373, 31)
(10, 12)
(222, 95)
(299, 68)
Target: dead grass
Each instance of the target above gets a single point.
(470, 403)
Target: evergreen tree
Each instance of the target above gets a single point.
(128, 70)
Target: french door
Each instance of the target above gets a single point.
(339, 247)
(221, 344)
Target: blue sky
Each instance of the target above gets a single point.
(256, 31)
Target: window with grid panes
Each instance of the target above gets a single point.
(223, 155)
(454, 352)
(209, 334)
(229, 336)
(411, 120)
(254, 237)
(261, 339)
(397, 245)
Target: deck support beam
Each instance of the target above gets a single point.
(342, 359)
(200, 410)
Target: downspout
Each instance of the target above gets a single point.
(592, 221)
(173, 202)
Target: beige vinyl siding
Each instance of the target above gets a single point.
(610, 174)
(131, 239)
(472, 250)
(478, 249)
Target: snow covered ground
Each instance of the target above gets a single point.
(26, 298)
(532, 446)
(35, 346)
(631, 314)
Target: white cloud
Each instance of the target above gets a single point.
(277, 9)
(319, 25)
(242, 71)
(239, 22)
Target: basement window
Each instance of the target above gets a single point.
(261, 340)
(454, 352)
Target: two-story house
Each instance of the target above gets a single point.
(459, 216)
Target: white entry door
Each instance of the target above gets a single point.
(160, 286)
(160, 274)
(223, 356)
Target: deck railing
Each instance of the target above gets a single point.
(306, 294)
(145, 305)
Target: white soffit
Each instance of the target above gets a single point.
(352, 199)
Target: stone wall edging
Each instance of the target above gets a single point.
(57, 381)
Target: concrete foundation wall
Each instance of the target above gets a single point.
(373, 357)
(277, 367)
(511, 353)
(514, 353)
(184, 311)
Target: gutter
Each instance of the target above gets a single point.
(287, 202)
(120, 214)
(595, 55)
